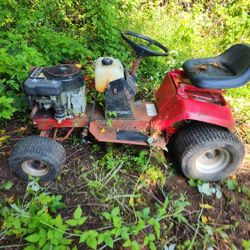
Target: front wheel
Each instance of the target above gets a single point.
(37, 157)
(205, 151)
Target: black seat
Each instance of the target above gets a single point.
(230, 69)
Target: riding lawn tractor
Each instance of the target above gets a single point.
(190, 117)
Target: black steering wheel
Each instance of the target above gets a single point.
(143, 50)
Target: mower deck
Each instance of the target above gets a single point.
(136, 131)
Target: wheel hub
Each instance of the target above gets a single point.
(35, 168)
(212, 161)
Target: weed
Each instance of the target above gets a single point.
(6, 185)
(246, 244)
(195, 182)
(37, 220)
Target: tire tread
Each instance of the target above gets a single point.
(184, 142)
(38, 146)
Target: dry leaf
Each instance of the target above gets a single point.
(23, 129)
(4, 139)
(11, 199)
(131, 201)
(139, 200)
(233, 177)
(211, 219)
(102, 130)
(204, 219)
(78, 65)
(206, 206)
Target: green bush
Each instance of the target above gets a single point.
(44, 32)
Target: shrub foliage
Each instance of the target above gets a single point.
(44, 32)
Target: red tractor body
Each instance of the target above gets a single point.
(190, 117)
(176, 101)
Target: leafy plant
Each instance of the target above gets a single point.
(6, 110)
(37, 220)
(6, 185)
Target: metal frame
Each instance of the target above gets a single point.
(176, 101)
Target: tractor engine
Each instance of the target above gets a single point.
(59, 89)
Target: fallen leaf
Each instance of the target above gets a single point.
(78, 65)
(4, 139)
(204, 219)
(206, 206)
(139, 200)
(131, 201)
(23, 129)
(210, 219)
(233, 177)
(11, 199)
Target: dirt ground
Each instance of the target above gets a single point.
(226, 211)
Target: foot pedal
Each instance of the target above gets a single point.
(131, 136)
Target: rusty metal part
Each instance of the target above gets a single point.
(45, 120)
(33, 111)
(62, 138)
(176, 100)
(106, 131)
(45, 133)
(136, 65)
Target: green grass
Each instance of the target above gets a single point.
(132, 208)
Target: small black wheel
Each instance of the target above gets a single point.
(206, 152)
(37, 157)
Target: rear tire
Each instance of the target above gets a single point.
(205, 151)
(37, 157)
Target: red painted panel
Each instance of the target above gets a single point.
(177, 100)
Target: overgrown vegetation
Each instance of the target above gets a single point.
(123, 213)
(35, 220)
(39, 33)
(122, 196)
